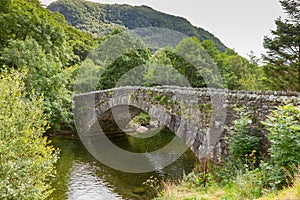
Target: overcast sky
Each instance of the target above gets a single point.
(239, 24)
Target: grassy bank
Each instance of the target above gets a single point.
(185, 190)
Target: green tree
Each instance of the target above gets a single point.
(20, 19)
(45, 76)
(237, 72)
(254, 77)
(27, 159)
(283, 55)
(123, 64)
(43, 43)
(24, 19)
(160, 71)
(191, 60)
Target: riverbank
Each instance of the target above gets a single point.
(186, 189)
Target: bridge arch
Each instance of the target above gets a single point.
(121, 114)
(104, 114)
(196, 116)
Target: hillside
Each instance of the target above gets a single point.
(99, 19)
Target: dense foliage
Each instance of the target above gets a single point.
(116, 71)
(191, 63)
(27, 160)
(283, 55)
(285, 122)
(83, 14)
(279, 165)
(42, 42)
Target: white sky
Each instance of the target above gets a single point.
(239, 24)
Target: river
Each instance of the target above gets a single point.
(81, 177)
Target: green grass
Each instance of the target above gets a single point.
(243, 187)
(290, 193)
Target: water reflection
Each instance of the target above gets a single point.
(80, 176)
(85, 184)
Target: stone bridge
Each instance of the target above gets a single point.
(197, 116)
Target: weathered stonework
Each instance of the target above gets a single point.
(197, 116)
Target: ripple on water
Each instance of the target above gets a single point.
(85, 185)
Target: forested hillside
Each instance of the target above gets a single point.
(101, 19)
(90, 16)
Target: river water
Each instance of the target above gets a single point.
(81, 177)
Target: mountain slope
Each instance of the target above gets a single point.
(102, 18)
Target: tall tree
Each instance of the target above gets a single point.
(43, 43)
(283, 55)
(45, 76)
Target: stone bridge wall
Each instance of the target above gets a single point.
(197, 116)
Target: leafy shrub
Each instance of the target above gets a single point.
(283, 127)
(284, 134)
(27, 160)
(246, 141)
(273, 176)
(142, 119)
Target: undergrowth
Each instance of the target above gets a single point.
(248, 172)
